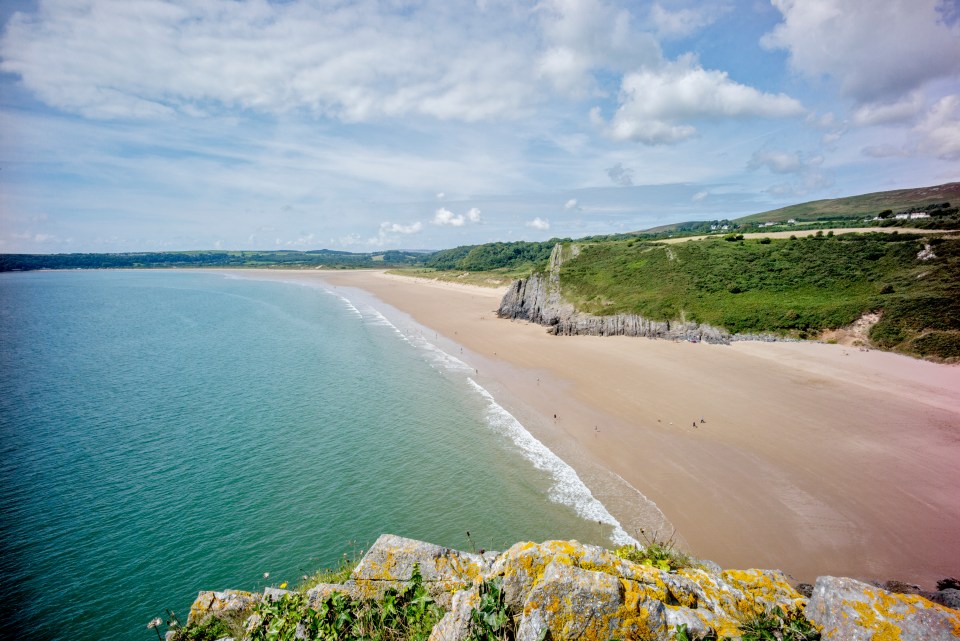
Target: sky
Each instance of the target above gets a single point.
(160, 125)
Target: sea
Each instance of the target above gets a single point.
(164, 432)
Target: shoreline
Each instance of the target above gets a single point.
(815, 459)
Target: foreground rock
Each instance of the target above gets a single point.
(854, 611)
(566, 590)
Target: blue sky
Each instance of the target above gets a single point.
(145, 125)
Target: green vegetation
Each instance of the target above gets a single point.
(339, 574)
(210, 630)
(683, 634)
(407, 613)
(796, 287)
(492, 256)
(777, 625)
(658, 553)
(490, 619)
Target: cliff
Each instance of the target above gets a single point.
(563, 590)
(538, 299)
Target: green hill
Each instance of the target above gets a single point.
(863, 205)
(939, 201)
(794, 287)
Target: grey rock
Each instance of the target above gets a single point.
(456, 623)
(274, 594)
(391, 558)
(213, 603)
(949, 597)
(853, 611)
(573, 603)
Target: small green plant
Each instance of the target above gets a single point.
(209, 629)
(659, 553)
(682, 634)
(777, 625)
(490, 619)
(339, 574)
(407, 613)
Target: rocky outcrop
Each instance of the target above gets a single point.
(854, 611)
(538, 299)
(564, 590)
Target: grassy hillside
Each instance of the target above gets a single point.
(863, 205)
(853, 209)
(796, 287)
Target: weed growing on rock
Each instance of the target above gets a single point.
(490, 619)
(338, 574)
(211, 629)
(682, 634)
(407, 613)
(659, 553)
(777, 625)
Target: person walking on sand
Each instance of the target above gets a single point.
(694, 423)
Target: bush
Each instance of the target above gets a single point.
(941, 345)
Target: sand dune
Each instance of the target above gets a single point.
(817, 459)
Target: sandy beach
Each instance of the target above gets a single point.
(815, 459)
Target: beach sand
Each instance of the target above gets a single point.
(815, 459)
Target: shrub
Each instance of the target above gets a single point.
(777, 625)
(407, 613)
(659, 553)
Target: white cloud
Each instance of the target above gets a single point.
(875, 49)
(440, 195)
(682, 23)
(357, 61)
(937, 134)
(940, 129)
(654, 104)
(444, 216)
(700, 195)
(540, 224)
(779, 162)
(389, 231)
(581, 36)
(881, 113)
(571, 204)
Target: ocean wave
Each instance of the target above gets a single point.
(567, 487)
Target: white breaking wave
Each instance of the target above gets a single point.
(346, 301)
(567, 487)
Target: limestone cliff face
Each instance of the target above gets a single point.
(538, 299)
(568, 591)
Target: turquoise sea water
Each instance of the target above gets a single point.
(167, 432)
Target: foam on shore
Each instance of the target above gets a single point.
(567, 488)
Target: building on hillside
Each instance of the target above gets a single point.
(919, 214)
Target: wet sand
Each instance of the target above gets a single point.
(815, 459)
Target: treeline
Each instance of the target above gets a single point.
(492, 256)
(288, 259)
